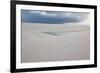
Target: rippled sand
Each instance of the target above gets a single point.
(39, 43)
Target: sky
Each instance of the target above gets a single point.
(52, 17)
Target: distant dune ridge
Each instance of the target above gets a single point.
(54, 27)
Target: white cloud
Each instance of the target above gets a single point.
(35, 12)
(44, 13)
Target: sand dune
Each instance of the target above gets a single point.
(54, 27)
(73, 43)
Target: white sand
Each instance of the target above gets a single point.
(41, 47)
